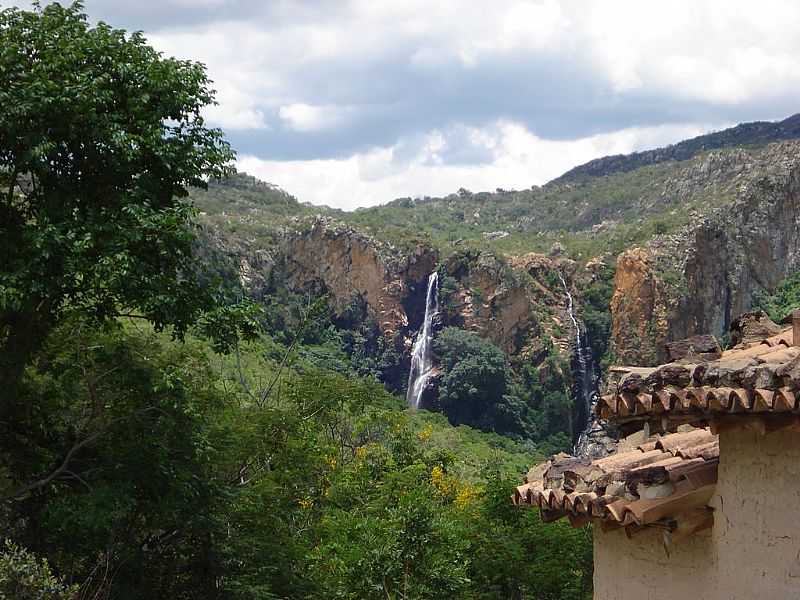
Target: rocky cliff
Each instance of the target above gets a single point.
(516, 303)
(348, 265)
(695, 233)
(700, 279)
(494, 301)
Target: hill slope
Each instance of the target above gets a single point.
(745, 134)
(508, 256)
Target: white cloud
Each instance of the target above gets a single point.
(308, 117)
(725, 52)
(720, 51)
(235, 110)
(239, 77)
(520, 159)
(452, 93)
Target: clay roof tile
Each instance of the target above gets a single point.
(760, 378)
(608, 488)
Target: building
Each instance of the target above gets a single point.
(702, 499)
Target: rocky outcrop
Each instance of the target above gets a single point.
(351, 266)
(752, 327)
(698, 347)
(698, 280)
(639, 308)
(493, 301)
(511, 302)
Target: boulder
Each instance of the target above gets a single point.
(696, 347)
(752, 327)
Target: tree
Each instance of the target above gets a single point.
(781, 302)
(123, 428)
(514, 555)
(25, 577)
(476, 387)
(596, 311)
(101, 138)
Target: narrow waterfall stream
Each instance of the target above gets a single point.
(585, 378)
(421, 358)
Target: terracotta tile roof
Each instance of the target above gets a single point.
(761, 377)
(649, 484)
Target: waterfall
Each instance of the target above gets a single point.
(585, 377)
(421, 359)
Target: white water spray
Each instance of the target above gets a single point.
(421, 356)
(586, 388)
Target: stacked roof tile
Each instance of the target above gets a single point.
(667, 481)
(761, 377)
(649, 484)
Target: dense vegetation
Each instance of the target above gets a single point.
(205, 478)
(597, 314)
(476, 385)
(781, 302)
(160, 437)
(478, 388)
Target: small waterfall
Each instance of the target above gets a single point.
(421, 359)
(585, 380)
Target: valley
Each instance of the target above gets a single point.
(213, 389)
(607, 253)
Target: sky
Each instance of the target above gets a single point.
(356, 102)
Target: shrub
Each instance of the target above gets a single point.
(23, 576)
(783, 300)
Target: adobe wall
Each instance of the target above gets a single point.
(757, 516)
(753, 550)
(639, 567)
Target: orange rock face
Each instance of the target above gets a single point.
(497, 311)
(350, 265)
(698, 280)
(502, 302)
(509, 302)
(638, 309)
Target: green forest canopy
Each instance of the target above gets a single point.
(158, 440)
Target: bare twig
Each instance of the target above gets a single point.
(301, 330)
(73, 475)
(132, 316)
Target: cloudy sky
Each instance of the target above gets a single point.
(356, 102)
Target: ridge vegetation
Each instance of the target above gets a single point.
(169, 429)
(162, 435)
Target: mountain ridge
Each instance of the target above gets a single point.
(752, 133)
(743, 134)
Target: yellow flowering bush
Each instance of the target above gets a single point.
(425, 434)
(445, 485)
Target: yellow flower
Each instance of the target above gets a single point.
(425, 434)
(437, 476)
(445, 485)
(465, 496)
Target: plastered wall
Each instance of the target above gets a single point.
(639, 568)
(757, 516)
(753, 550)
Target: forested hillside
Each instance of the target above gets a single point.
(204, 379)
(164, 433)
(509, 259)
